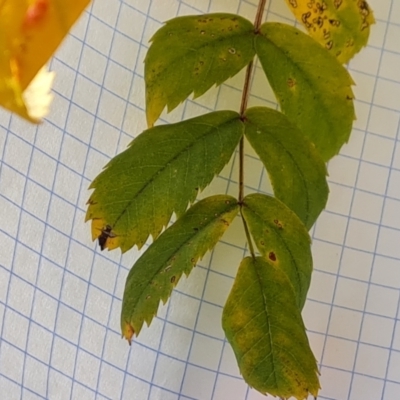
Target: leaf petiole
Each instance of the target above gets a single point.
(243, 108)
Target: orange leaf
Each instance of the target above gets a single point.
(30, 32)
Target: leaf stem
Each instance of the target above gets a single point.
(248, 236)
(259, 14)
(246, 88)
(243, 108)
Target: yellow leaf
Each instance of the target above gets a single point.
(30, 32)
(341, 26)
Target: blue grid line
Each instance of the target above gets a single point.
(63, 275)
(344, 241)
(374, 256)
(14, 253)
(124, 116)
(149, 382)
(66, 305)
(376, 244)
(115, 285)
(169, 303)
(1, 170)
(332, 182)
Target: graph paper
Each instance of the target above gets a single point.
(60, 297)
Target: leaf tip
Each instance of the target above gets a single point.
(128, 332)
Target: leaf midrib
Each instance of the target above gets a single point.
(266, 309)
(167, 164)
(260, 216)
(304, 74)
(304, 181)
(178, 58)
(165, 263)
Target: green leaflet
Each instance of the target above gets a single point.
(341, 26)
(264, 326)
(282, 239)
(191, 54)
(296, 170)
(175, 252)
(160, 173)
(313, 89)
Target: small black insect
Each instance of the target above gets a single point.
(105, 234)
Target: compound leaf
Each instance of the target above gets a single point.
(282, 239)
(263, 324)
(174, 253)
(296, 170)
(160, 173)
(312, 87)
(341, 26)
(191, 54)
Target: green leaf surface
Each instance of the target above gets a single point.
(190, 54)
(282, 239)
(160, 173)
(341, 26)
(296, 170)
(312, 87)
(174, 253)
(264, 327)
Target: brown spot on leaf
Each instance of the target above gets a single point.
(334, 22)
(173, 279)
(364, 25)
(305, 17)
(278, 223)
(291, 82)
(337, 3)
(272, 256)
